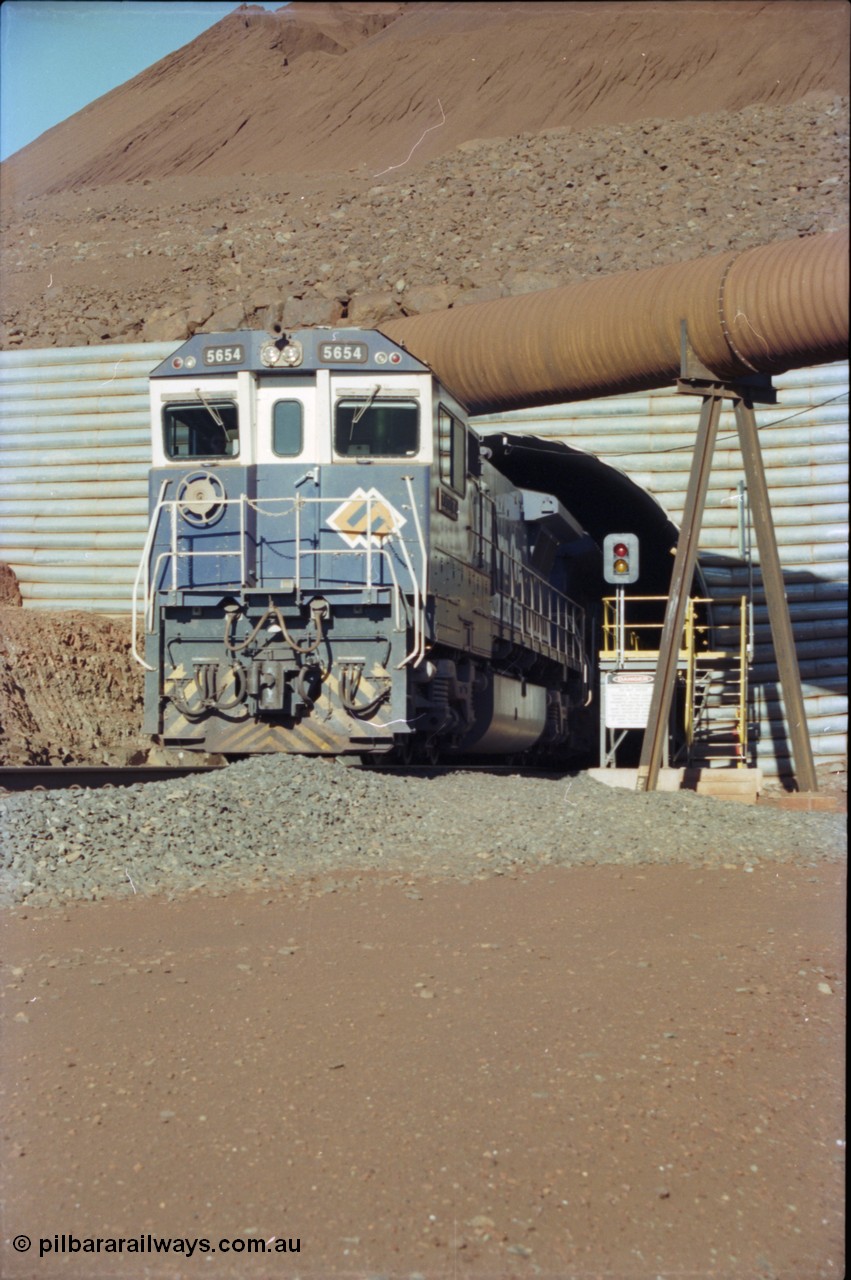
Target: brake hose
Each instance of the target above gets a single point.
(230, 615)
(238, 697)
(279, 618)
(301, 686)
(296, 648)
(210, 697)
(188, 713)
(348, 675)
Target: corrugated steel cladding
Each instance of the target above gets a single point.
(74, 448)
(74, 452)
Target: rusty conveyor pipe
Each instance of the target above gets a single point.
(764, 310)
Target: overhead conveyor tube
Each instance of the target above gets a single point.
(765, 310)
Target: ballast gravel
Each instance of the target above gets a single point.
(315, 824)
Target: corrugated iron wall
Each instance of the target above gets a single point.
(804, 440)
(74, 451)
(74, 448)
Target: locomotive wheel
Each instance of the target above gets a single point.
(403, 752)
(429, 751)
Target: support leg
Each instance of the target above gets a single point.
(775, 596)
(681, 579)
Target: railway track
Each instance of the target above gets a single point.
(98, 777)
(91, 777)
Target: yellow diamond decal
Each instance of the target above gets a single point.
(366, 517)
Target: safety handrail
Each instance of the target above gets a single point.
(722, 631)
(744, 658)
(534, 609)
(375, 546)
(418, 652)
(729, 642)
(143, 573)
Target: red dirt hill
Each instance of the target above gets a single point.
(354, 162)
(341, 86)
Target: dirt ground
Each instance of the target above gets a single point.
(574, 1072)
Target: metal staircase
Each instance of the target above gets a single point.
(718, 715)
(716, 711)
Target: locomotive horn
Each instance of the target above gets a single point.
(764, 310)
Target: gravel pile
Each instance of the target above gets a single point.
(270, 821)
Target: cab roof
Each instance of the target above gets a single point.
(299, 351)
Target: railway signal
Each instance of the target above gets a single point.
(620, 558)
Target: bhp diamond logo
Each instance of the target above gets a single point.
(366, 517)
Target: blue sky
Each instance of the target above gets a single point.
(58, 55)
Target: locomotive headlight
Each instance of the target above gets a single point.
(292, 354)
(270, 354)
(289, 356)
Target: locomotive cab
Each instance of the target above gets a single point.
(332, 567)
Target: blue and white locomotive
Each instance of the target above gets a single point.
(334, 566)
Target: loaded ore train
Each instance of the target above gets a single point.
(335, 565)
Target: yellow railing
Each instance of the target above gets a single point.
(643, 626)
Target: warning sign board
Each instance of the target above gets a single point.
(627, 697)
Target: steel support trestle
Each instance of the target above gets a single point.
(714, 392)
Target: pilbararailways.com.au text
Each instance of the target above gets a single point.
(148, 1243)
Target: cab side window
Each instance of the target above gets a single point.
(287, 428)
(452, 448)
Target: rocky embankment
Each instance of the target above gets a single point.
(70, 692)
(155, 261)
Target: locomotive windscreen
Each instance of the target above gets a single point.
(287, 428)
(376, 429)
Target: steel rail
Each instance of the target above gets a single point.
(37, 777)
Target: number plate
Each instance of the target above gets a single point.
(343, 352)
(447, 504)
(223, 355)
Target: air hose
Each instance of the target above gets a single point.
(350, 677)
(207, 679)
(238, 696)
(317, 612)
(301, 684)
